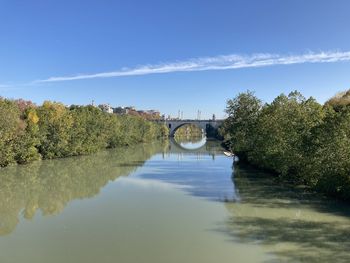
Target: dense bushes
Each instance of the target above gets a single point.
(295, 137)
(28, 132)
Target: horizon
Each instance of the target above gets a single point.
(188, 131)
(142, 54)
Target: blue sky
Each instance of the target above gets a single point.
(172, 55)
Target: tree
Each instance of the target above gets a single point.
(238, 129)
(281, 132)
(27, 144)
(329, 162)
(11, 126)
(55, 123)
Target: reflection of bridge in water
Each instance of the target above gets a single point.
(208, 148)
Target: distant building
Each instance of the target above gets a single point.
(120, 110)
(106, 108)
(131, 110)
(153, 112)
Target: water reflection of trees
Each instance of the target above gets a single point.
(188, 139)
(294, 224)
(50, 185)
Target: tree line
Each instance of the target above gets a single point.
(294, 137)
(52, 130)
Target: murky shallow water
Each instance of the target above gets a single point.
(162, 203)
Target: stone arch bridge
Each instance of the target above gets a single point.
(173, 125)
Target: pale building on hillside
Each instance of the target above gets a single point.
(106, 108)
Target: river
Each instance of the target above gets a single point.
(163, 202)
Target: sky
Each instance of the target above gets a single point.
(185, 55)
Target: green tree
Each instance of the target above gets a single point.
(89, 131)
(55, 121)
(11, 127)
(281, 133)
(329, 162)
(27, 144)
(239, 128)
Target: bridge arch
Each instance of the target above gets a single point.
(174, 124)
(174, 129)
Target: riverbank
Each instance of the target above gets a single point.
(29, 132)
(297, 138)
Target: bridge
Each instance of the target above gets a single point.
(174, 124)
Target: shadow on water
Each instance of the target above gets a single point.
(50, 185)
(293, 224)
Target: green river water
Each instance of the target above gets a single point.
(162, 203)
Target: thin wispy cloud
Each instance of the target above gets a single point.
(226, 62)
(6, 87)
(15, 86)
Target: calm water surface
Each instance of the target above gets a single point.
(163, 203)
